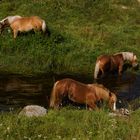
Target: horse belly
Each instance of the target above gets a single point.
(78, 99)
(26, 28)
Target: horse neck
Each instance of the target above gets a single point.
(4, 19)
(102, 93)
(127, 56)
(10, 19)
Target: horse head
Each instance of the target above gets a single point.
(112, 100)
(3, 24)
(134, 62)
(131, 57)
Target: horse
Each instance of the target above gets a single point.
(26, 24)
(7, 21)
(88, 94)
(110, 63)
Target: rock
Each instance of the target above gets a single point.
(122, 112)
(33, 110)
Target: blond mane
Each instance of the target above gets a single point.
(101, 86)
(126, 55)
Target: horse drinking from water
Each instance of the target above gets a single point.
(7, 21)
(110, 63)
(87, 94)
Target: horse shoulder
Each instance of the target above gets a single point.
(14, 25)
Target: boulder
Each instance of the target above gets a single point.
(122, 112)
(33, 110)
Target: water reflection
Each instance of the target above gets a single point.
(127, 87)
(17, 90)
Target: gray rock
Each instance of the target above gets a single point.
(33, 110)
(122, 112)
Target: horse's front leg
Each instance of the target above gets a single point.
(92, 106)
(102, 72)
(15, 33)
(120, 69)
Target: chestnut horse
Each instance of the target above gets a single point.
(77, 92)
(7, 21)
(26, 24)
(18, 23)
(110, 63)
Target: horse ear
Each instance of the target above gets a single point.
(110, 94)
(5, 21)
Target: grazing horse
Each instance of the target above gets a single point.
(77, 92)
(110, 63)
(26, 24)
(7, 21)
(23, 24)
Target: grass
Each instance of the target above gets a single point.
(70, 124)
(81, 30)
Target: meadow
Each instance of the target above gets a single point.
(70, 124)
(80, 30)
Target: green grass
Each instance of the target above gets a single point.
(70, 124)
(81, 30)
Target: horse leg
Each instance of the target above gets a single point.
(57, 105)
(92, 106)
(15, 33)
(120, 69)
(102, 71)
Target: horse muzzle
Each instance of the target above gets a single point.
(135, 66)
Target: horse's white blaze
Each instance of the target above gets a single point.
(114, 106)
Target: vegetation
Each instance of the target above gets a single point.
(70, 124)
(80, 31)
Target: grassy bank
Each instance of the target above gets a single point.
(80, 31)
(70, 124)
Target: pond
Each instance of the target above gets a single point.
(17, 91)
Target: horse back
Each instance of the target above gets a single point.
(105, 62)
(117, 59)
(27, 23)
(75, 88)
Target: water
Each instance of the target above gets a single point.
(126, 87)
(17, 91)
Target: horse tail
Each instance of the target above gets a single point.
(96, 70)
(53, 95)
(44, 26)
